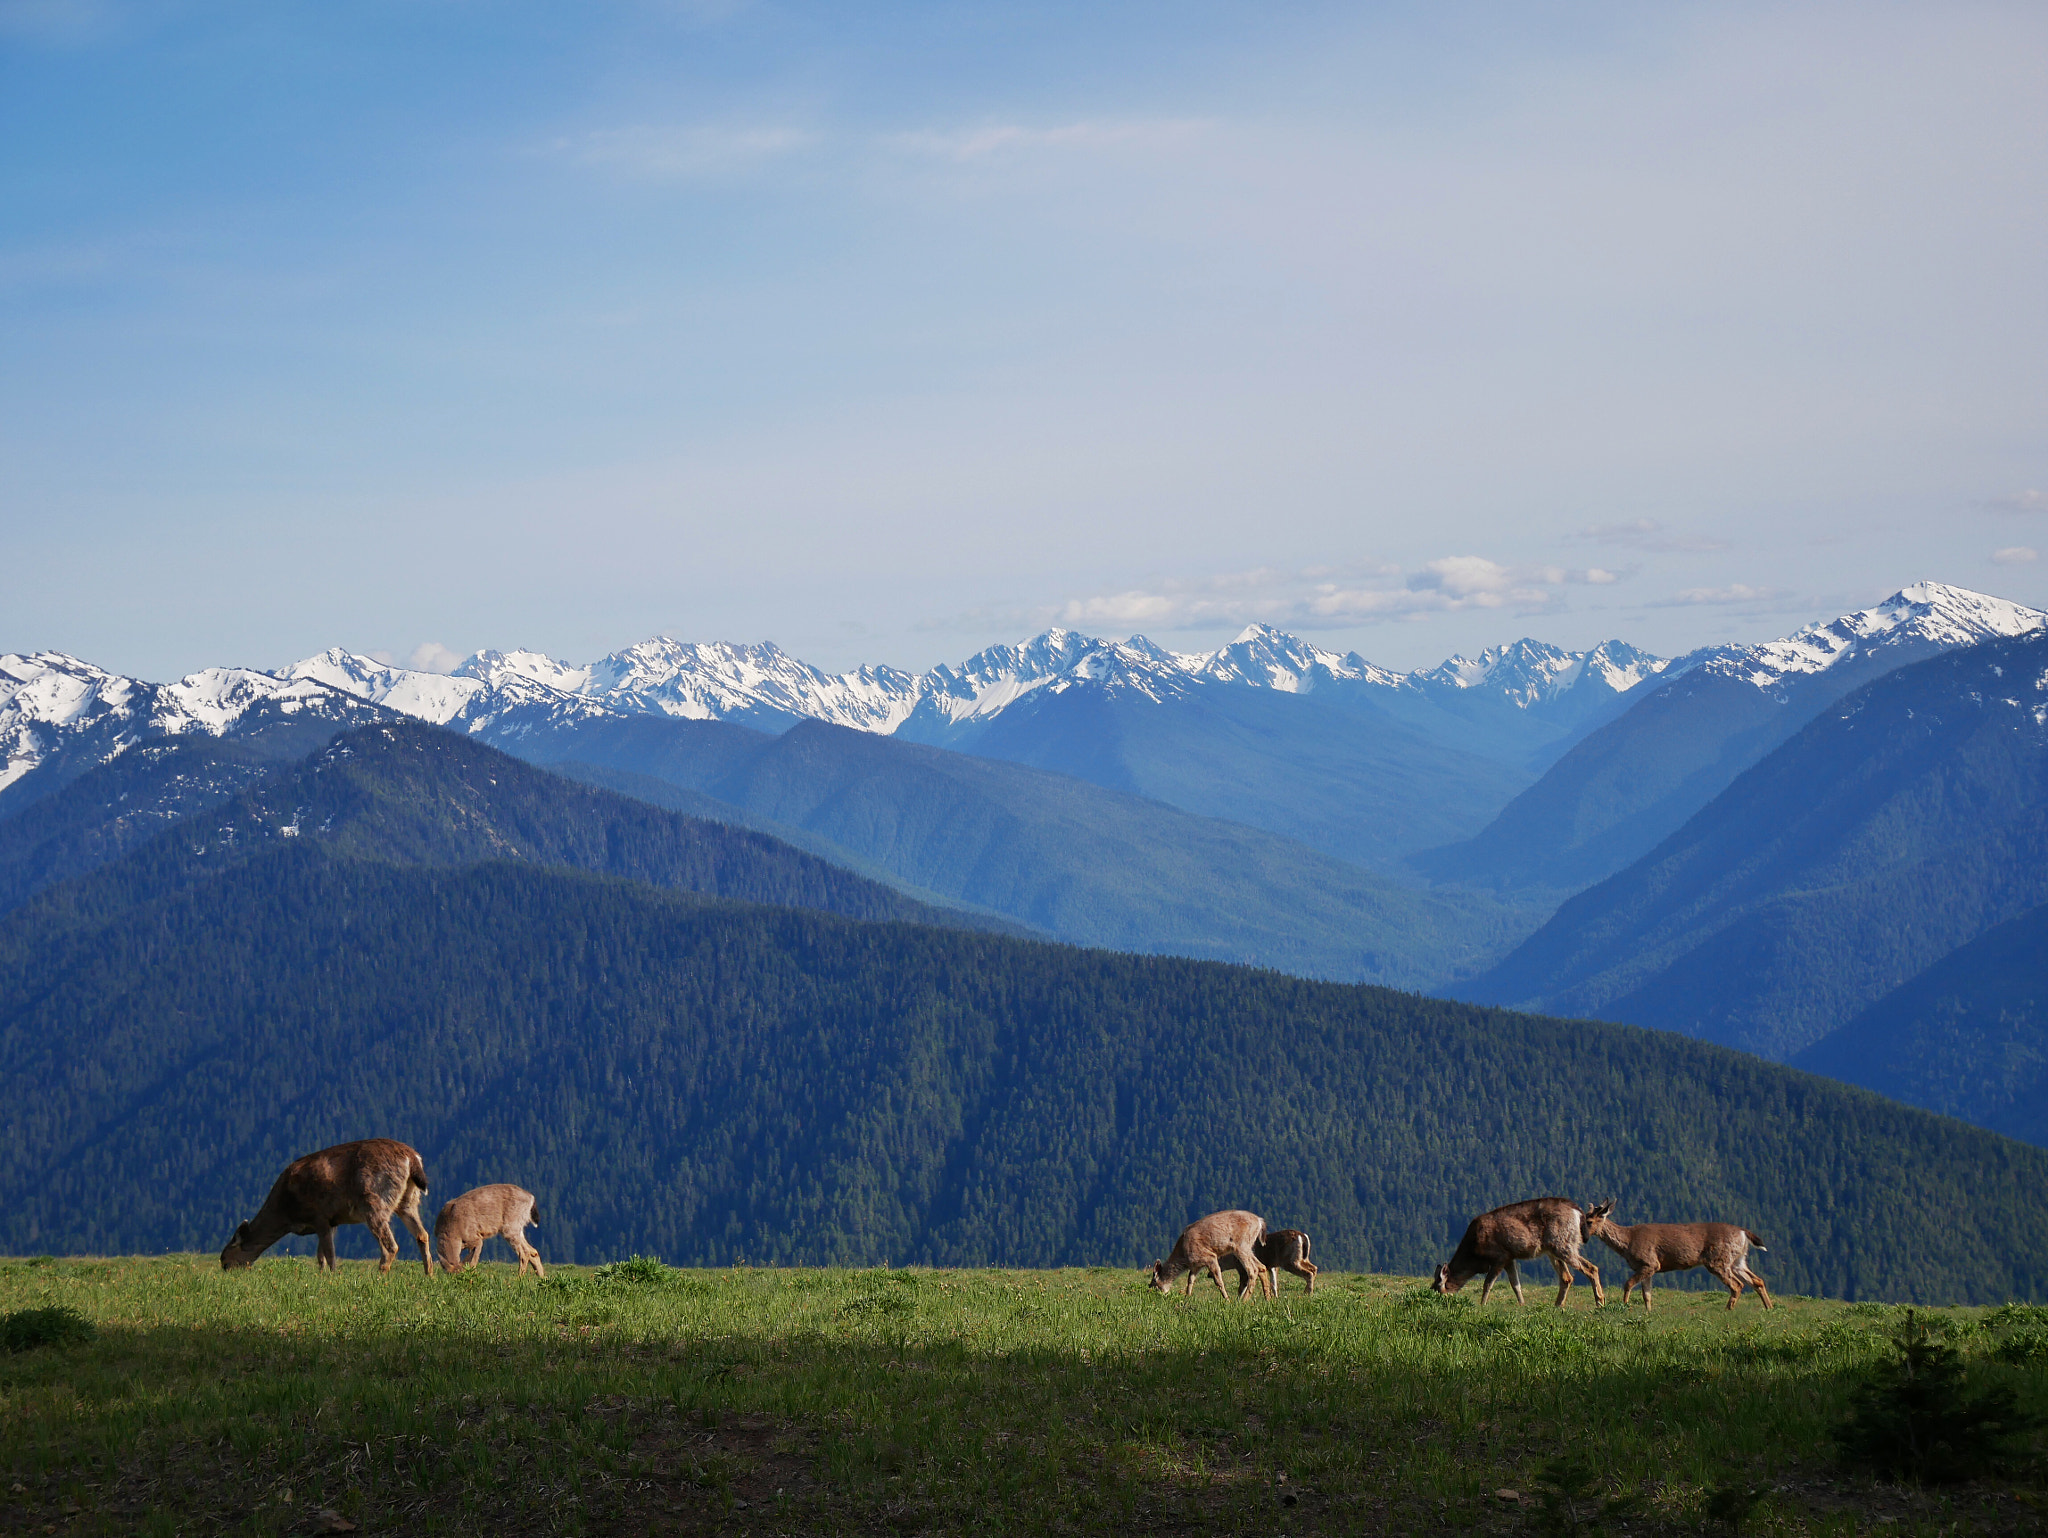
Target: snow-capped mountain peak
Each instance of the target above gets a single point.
(1928, 616)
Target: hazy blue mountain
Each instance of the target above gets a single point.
(1069, 858)
(1968, 1037)
(409, 794)
(710, 1081)
(1634, 781)
(1906, 821)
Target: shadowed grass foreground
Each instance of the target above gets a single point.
(763, 1401)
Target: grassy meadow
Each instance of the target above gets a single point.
(635, 1399)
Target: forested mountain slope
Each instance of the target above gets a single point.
(117, 806)
(1902, 824)
(1968, 1037)
(1626, 787)
(1071, 859)
(410, 794)
(708, 1081)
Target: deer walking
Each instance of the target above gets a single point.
(1209, 1244)
(364, 1183)
(489, 1212)
(1723, 1248)
(1545, 1225)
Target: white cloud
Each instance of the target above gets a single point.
(2015, 555)
(656, 153)
(433, 657)
(1313, 597)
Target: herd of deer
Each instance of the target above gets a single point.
(377, 1179)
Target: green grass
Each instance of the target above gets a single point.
(767, 1401)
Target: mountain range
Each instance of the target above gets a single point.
(1772, 846)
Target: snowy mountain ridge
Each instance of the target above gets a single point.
(1927, 614)
(48, 696)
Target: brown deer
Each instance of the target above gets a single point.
(501, 1212)
(1545, 1225)
(1286, 1250)
(1209, 1244)
(1723, 1248)
(362, 1183)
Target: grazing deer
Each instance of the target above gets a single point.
(1545, 1225)
(1285, 1251)
(1723, 1248)
(501, 1212)
(362, 1183)
(1222, 1238)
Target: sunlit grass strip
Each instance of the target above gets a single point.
(1033, 1401)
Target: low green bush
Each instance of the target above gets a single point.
(33, 1327)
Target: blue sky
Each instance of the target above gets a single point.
(886, 332)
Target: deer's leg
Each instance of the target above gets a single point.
(1308, 1269)
(1564, 1275)
(1643, 1281)
(1758, 1283)
(1216, 1270)
(323, 1252)
(1592, 1273)
(1515, 1281)
(1487, 1286)
(529, 1255)
(1729, 1280)
(410, 1212)
(379, 1224)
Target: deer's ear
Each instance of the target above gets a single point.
(1602, 1210)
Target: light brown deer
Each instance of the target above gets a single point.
(1545, 1225)
(1723, 1248)
(488, 1212)
(1208, 1244)
(364, 1183)
(1286, 1250)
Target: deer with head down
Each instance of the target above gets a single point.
(1723, 1248)
(366, 1183)
(1545, 1225)
(1209, 1244)
(488, 1212)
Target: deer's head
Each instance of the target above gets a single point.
(1590, 1223)
(1159, 1279)
(1443, 1283)
(241, 1251)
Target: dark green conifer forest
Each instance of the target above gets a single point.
(709, 1080)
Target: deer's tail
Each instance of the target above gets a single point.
(1756, 1242)
(417, 1175)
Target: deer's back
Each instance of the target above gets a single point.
(1523, 1230)
(1678, 1246)
(1218, 1234)
(487, 1209)
(341, 1184)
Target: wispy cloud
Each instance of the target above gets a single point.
(2015, 555)
(649, 152)
(2029, 501)
(1734, 593)
(1646, 534)
(1329, 597)
(1000, 139)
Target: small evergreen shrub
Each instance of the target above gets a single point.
(1915, 1418)
(639, 1271)
(33, 1327)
